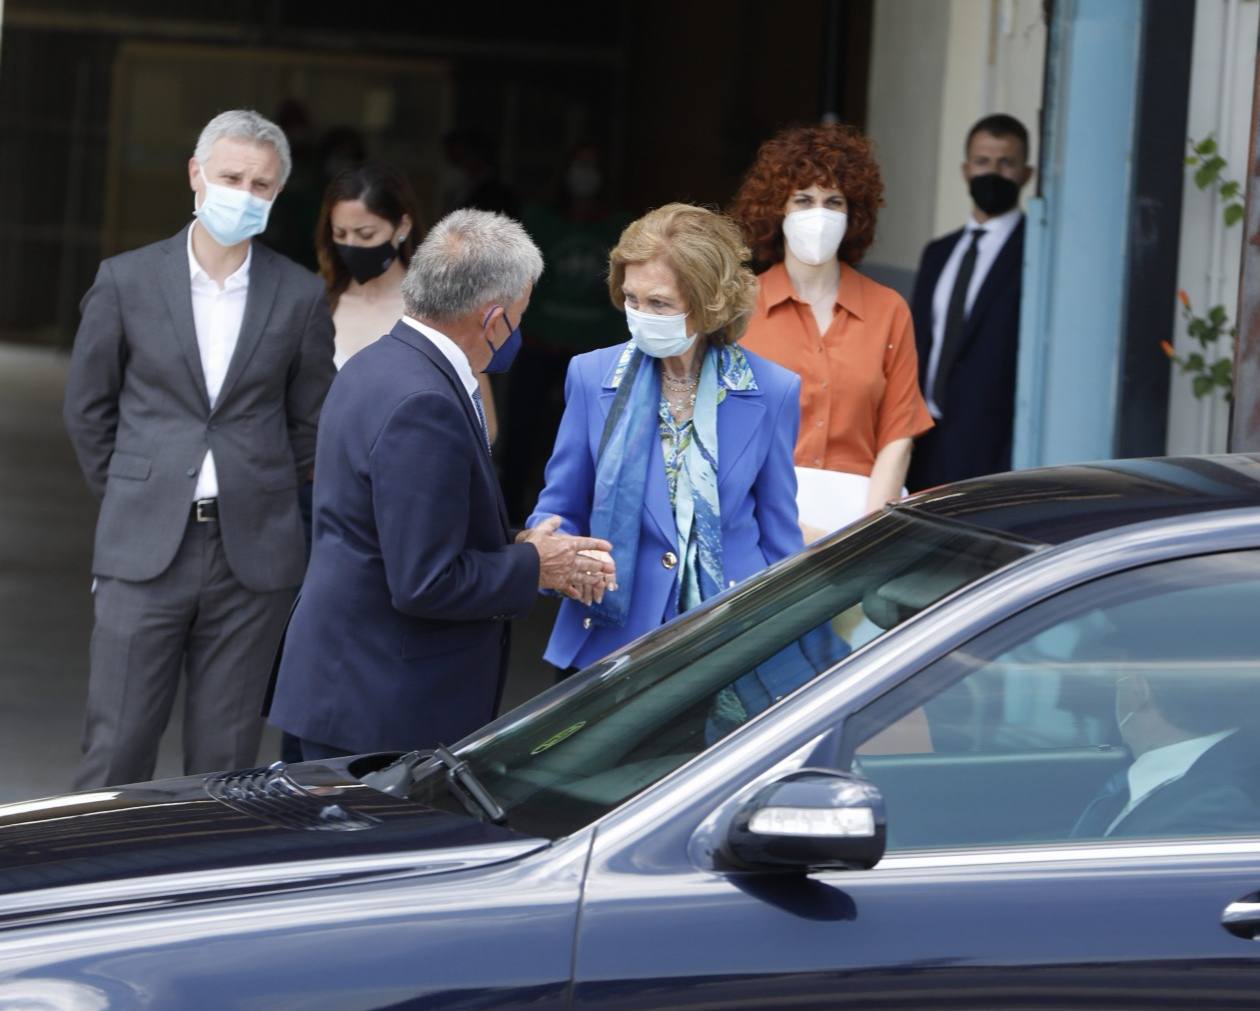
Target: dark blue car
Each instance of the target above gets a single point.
(996, 747)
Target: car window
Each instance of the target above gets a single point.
(1126, 708)
(642, 712)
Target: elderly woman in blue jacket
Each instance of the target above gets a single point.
(676, 446)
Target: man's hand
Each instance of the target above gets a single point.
(579, 567)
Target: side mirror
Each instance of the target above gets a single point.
(812, 819)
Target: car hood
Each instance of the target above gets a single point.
(260, 830)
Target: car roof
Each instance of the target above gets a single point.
(1053, 505)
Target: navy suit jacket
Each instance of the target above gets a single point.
(973, 436)
(1218, 795)
(756, 431)
(399, 636)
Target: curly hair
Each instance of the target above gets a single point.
(706, 254)
(830, 155)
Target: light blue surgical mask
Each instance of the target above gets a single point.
(659, 336)
(231, 215)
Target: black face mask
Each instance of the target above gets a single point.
(367, 262)
(993, 193)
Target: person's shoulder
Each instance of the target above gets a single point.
(943, 243)
(772, 378)
(291, 273)
(592, 366)
(143, 259)
(879, 299)
(387, 377)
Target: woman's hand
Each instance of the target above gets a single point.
(593, 590)
(578, 567)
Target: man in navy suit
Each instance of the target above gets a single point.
(966, 315)
(399, 637)
(1195, 742)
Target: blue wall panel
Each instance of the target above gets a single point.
(1076, 250)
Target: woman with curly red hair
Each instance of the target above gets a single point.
(808, 207)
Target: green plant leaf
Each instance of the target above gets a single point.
(1217, 315)
(1209, 172)
(1192, 159)
(1194, 361)
(1233, 214)
(1223, 371)
(1202, 386)
(1229, 190)
(1206, 146)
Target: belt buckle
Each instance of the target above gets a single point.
(202, 506)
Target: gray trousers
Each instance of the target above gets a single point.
(195, 617)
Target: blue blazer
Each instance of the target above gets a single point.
(399, 636)
(973, 437)
(756, 492)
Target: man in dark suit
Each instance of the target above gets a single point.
(194, 389)
(1196, 758)
(966, 315)
(399, 638)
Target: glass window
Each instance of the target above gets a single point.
(1127, 708)
(640, 714)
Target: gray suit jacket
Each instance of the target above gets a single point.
(138, 414)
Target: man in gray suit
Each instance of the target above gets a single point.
(195, 385)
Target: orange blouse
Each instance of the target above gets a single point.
(859, 380)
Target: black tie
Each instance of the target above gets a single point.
(955, 318)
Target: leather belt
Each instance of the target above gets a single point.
(205, 510)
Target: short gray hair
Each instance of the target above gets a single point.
(245, 124)
(469, 259)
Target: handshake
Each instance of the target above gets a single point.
(579, 567)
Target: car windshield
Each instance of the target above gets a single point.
(635, 716)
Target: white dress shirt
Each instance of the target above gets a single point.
(217, 315)
(996, 232)
(1154, 768)
(452, 352)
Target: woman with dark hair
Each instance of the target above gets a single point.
(808, 207)
(364, 241)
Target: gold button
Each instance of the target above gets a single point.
(586, 623)
(669, 559)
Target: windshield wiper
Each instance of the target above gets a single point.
(398, 778)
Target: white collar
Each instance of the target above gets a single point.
(999, 228)
(1162, 765)
(450, 350)
(237, 279)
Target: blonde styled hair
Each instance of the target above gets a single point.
(707, 254)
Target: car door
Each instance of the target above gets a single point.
(1073, 811)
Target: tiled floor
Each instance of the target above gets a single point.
(46, 521)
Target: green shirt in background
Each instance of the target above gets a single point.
(569, 311)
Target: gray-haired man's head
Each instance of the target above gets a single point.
(247, 126)
(241, 151)
(469, 260)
